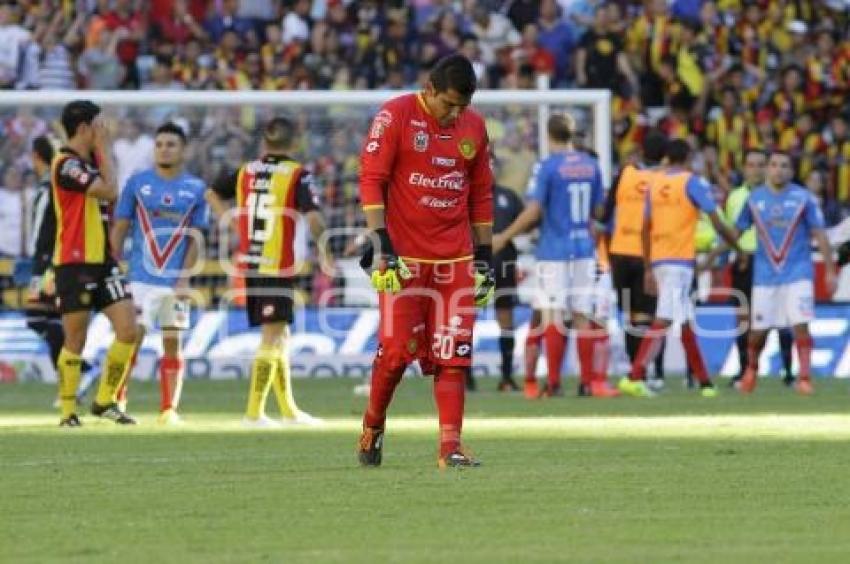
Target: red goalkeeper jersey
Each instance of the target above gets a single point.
(433, 182)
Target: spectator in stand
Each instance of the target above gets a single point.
(13, 44)
(838, 156)
(556, 37)
(178, 26)
(227, 19)
(601, 61)
(832, 212)
(129, 23)
(296, 24)
(99, 65)
(133, 150)
(11, 213)
(494, 32)
(523, 12)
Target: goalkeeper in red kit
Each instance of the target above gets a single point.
(427, 192)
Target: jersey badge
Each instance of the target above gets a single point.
(420, 142)
(467, 148)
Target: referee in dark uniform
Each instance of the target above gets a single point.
(507, 207)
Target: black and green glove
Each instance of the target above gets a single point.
(485, 281)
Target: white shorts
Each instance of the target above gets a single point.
(158, 306)
(565, 285)
(785, 305)
(674, 292)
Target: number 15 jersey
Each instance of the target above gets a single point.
(568, 186)
(268, 192)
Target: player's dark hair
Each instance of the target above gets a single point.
(171, 128)
(77, 113)
(678, 151)
(279, 133)
(43, 148)
(454, 72)
(560, 128)
(654, 146)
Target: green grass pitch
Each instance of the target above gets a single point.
(674, 479)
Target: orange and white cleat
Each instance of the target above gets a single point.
(748, 381)
(531, 390)
(804, 387)
(601, 389)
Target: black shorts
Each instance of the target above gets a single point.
(86, 287)
(269, 299)
(505, 274)
(627, 277)
(742, 278)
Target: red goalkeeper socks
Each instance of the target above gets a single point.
(650, 344)
(384, 382)
(601, 353)
(449, 390)
(695, 360)
(556, 345)
(585, 345)
(169, 376)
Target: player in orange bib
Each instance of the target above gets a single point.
(674, 200)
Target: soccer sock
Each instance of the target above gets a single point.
(54, 336)
(556, 344)
(753, 352)
(633, 336)
(262, 374)
(695, 360)
(786, 343)
(804, 355)
(169, 376)
(506, 347)
(282, 386)
(585, 345)
(115, 369)
(658, 361)
(741, 341)
(384, 381)
(449, 395)
(650, 344)
(68, 369)
(121, 393)
(601, 353)
(532, 353)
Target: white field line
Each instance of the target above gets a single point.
(820, 427)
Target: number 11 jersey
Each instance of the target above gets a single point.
(568, 187)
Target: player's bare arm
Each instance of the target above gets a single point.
(220, 208)
(830, 273)
(117, 235)
(193, 236)
(526, 221)
(316, 222)
(729, 234)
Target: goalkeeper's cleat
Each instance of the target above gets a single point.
(601, 389)
(302, 418)
(371, 445)
(789, 380)
(508, 385)
(634, 388)
(71, 421)
(111, 412)
(457, 459)
(655, 384)
(261, 422)
(708, 391)
(735, 382)
(804, 387)
(531, 390)
(169, 417)
(748, 381)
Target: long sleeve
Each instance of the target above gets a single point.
(481, 185)
(378, 155)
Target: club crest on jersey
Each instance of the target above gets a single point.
(167, 199)
(467, 148)
(420, 141)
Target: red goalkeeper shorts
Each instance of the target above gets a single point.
(431, 318)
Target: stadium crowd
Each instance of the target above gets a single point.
(725, 75)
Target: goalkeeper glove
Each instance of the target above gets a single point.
(390, 269)
(485, 281)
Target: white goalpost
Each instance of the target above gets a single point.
(597, 101)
